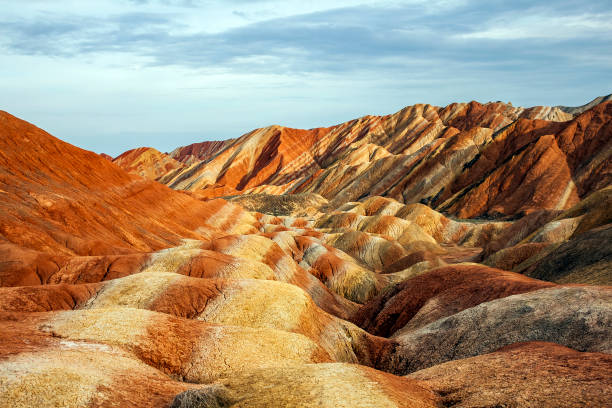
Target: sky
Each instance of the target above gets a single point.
(109, 76)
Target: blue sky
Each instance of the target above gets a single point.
(112, 75)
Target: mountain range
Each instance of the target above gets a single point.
(435, 257)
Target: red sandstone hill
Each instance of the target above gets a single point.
(353, 290)
(62, 199)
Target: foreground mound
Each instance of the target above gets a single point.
(524, 375)
(320, 385)
(576, 317)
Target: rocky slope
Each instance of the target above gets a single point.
(579, 109)
(368, 286)
(147, 162)
(202, 151)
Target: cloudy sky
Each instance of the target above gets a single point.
(112, 75)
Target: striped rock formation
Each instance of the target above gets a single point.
(199, 151)
(364, 287)
(440, 293)
(147, 162)
(466, 159)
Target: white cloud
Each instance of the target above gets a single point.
(542, 27)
